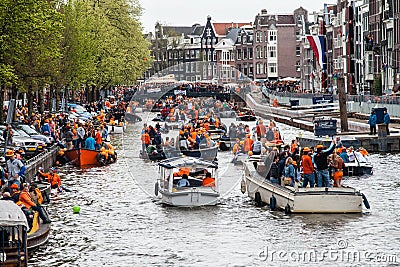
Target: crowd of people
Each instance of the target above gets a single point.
(68, 132)
(318, 165)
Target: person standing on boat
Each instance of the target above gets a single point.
(386, 121)
(261, 130)
(289, 172)
(81, 136)
(308, 168)
(145, 141)
(90, 143)
(257, 147)
(372, 123)
(338, 165)
(321, 163)
(248, 143)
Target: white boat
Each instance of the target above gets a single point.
(357, 168)
(301, 200)
(194, 193)
(116, 129)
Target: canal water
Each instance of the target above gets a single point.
(122, 223)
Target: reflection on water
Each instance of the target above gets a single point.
(122, 224)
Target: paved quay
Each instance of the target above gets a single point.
(303, 119)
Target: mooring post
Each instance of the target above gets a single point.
(344, 125)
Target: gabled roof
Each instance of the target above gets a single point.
(280, 19)
(223, 28)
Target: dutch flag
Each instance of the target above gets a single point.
(318, 46)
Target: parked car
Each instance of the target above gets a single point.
(34, 134)
(30, 146)
(80, 111)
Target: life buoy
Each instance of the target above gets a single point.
(243, 186)
(156, 189)
(287, 209)
(257, 199)
(101, 159)
(233, 114)
(272, 202)
(365, 200)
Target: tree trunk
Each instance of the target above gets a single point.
(29, 95)
(2, 90)
(40, 101)
(342, 105)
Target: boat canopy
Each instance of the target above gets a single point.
(187, 162)
(11, 214)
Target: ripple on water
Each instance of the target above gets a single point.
(123, 224)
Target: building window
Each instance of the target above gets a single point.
(214, 56)
(250, 68)
(272, 51)
(257, 52)
(258, 37)
(272, 68)
(298, 51)
(298, 65)
(250, 53)
(209, 56)
(239, 54)
(272, 35)
(370, 64)
(239, 67)
(244, 53)
(239, 39)
(260, 68)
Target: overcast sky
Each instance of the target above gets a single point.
(189, 12)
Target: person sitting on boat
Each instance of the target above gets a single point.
(183, 143)
(112, 155)
(26, 199)
(321, 163)
(184, 181)
(90, 143)
(15, 192)
(359, 156)
(308, 168)
(112, 121)
(289, 172)
(182, 171)
(257, 147)
(208, 181)
(365, 154)
(338, 165)
(350, 153)
(343, 154)
(37, 197)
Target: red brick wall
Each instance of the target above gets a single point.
(287, 52)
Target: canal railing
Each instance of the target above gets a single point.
(355, 103)
(45, 159)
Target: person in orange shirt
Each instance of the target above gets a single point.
(293, 146)
(308, 168)
(98, 138)
(248, 143)
(53, 178)
(145, 140)
(208, 181)
(26, 199)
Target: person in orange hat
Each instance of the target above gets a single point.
(308, 168)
